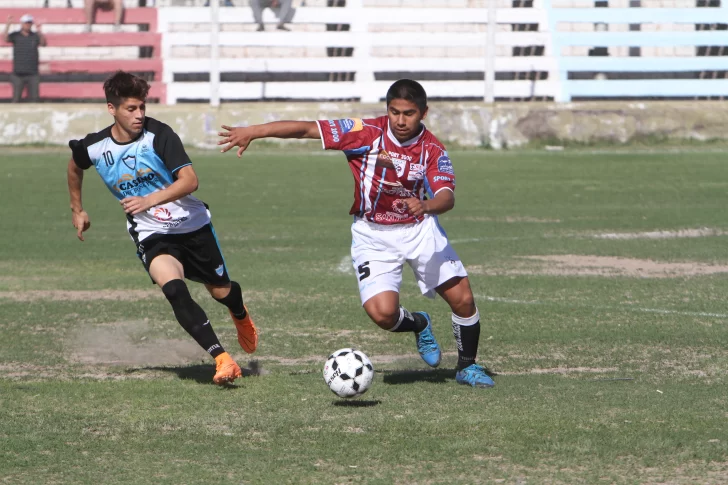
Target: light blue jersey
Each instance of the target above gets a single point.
(141, 167)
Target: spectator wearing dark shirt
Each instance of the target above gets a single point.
(25, 57)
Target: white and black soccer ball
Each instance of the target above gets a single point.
(348, 373)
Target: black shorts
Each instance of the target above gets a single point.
(198, 251)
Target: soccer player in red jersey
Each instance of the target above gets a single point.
(403, 180)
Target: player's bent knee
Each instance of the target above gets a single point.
(176, 290)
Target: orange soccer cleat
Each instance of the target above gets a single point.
(247, 333)
(226, 370)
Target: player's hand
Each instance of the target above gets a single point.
(10, 19)
(81, 223)
(38, 27)
(136, 205)
(415, 206)
(235, 137)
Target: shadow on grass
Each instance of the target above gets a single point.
(395, 377)
(422, 375)
(200, 373)
(357, 403)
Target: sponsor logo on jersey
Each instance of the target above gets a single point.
(334, 131)
(399, 191)
(444, 165)
(162, 214)
(416, 172)
(442, 178)
(129, 161)
(347, 125)
(145, 148)
(384, 160)
(174, 223)
(399, 206)
(389, 217)
(219, 270)
(128, 184)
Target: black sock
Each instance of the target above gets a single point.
(234, 301)
(409, 322)
(467, 336)
(192, 317)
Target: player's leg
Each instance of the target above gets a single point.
(466, 329)
(88, 9)
(168, 273)
(379, 272)
(204, 263)
(231, 295)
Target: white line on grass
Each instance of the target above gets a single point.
(634, 309)
(345, 265)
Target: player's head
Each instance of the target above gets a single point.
(126, 96)
(406, 108)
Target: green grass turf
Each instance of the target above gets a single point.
(601, 378)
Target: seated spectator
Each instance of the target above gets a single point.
(25, 57)
(285, 14)
(90, 7)
(68, 4)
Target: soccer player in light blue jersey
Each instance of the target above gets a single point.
(144, 165)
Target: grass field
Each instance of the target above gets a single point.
(600, 278)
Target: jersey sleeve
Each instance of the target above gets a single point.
(168, 145)
(440, 174)
(80, 154)
(345, 134)
(11, 37)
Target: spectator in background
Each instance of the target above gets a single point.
(68, 4)
(90, 7)
(227, 3)
(25, 57)
(285, 13)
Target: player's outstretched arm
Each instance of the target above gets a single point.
(242, 136)
(185, 184)
(79, 216)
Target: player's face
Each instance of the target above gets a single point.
(129, 115)
(405, 119)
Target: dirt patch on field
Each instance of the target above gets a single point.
(561, 371)
(576, 265)
(509, 219)
(682, 233)
(64, 295)
(125, 343)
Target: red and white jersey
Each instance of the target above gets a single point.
(387, 171)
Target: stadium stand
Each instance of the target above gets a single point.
(539, 50)
(74, 62)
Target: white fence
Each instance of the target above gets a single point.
(382, 42)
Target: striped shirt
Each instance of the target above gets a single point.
(25, 52)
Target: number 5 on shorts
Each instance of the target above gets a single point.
(364, 270)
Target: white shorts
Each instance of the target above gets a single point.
(379, 252)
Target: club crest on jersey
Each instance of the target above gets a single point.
(444, 165)
(219, 270)
(348, 124)
(129, 161)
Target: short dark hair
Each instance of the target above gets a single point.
(124, 85)
(409, 90)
